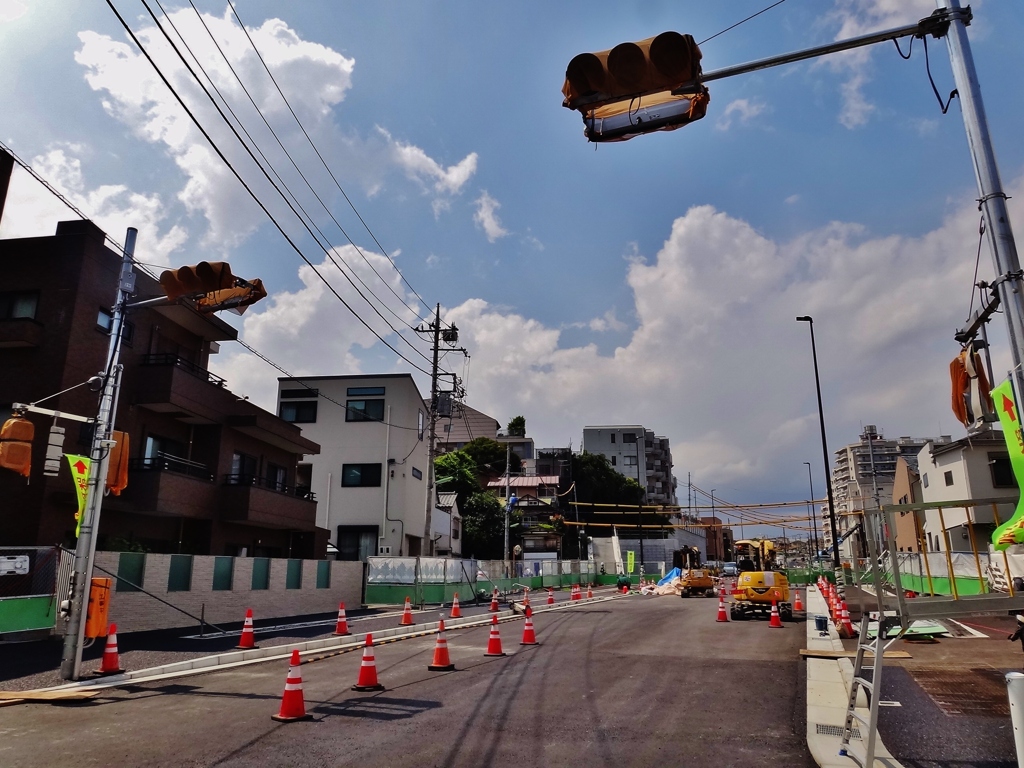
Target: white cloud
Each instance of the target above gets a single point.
(11, 10)
(486, 217)
(33, 211)
(860, 18)
(792, 199)
(419, 166)
(743, 110)
(607, 322)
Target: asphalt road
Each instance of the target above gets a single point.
(633, 682)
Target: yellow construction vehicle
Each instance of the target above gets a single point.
(696, 581)
(758, 585)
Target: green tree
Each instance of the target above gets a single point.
(455, 472)
(489, 456)
(517, 427)
(483, 525)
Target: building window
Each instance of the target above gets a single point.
(300, 412)
(243, 469)
(629, 461)
(323, 574)
(612, 436)
(293, 575)
(924, 479)
(365, 391)
(360, 475)
(948, 477)
(277, 477)
(15, 305)
(223, 573)
(455, 530)
(292, 394)
(417, 473)
(613, 460)
(629, 437)
(260, 573)
(419, 425)
(1002, 471)
(105, 323)
(364, 410)
(179, 574)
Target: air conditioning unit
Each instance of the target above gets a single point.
(382, 550)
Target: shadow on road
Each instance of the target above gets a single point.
(378, 708)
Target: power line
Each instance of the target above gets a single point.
(247, 188)
(288, 202)
(252, 101)
(744, 21)
(331, 173)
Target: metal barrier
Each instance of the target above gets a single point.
(28, 583)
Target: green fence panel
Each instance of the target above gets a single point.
(323, 574)
(21, 614)
(179, 574)
(131, 566)
(293, 576)
(261, 573)
(223, 573)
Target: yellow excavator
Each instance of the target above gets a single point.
(759, 584)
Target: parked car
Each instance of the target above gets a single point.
(730, 569)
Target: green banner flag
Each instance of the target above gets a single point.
(630, 560)
(80, 474)
(1012, 531)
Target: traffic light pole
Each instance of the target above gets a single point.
(99, 454)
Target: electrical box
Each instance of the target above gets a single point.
(385, 550)
(99, 607)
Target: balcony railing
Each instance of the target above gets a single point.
(299, 491)
(185, 365)
(164, 462)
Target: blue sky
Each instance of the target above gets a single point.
(651, 281)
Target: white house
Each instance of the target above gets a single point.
(370, 477)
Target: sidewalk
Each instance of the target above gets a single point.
(828, 692)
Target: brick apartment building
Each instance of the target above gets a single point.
(210, 473)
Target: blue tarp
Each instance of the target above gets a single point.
(675, 573)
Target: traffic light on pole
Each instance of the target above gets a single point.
(203, 278)
(16, 445)
(636, 88)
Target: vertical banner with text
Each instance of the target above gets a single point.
(80, 474)
(1012, 531)
(630, 560)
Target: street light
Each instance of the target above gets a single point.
(814, 516)
(824, 446)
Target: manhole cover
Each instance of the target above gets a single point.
(957, 691)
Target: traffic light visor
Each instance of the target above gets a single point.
(16, 445)
(629, 70)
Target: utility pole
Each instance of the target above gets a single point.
(428, 540)
(508, 495)
(99, 454)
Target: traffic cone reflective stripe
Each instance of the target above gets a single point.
(494, 640)
(407, 614)
(797, 604)
(441, 663)
(551, 595)
(776, 620)
(526, 597)
(110, 664)
(248, 639)
(590, 591)
(494, 602)
(342, 627)
(529, 636)
(367, 680)
(456, 610)
(722, 615)
(292, 705)
(847, 624)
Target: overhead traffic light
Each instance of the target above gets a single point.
(636, 88)
(204, 277)
(212, 286)
(16, 445)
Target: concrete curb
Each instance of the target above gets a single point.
(828, 691)
(233, 659)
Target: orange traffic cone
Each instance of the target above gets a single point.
(529, 637)
(575, 592)
(110, 665)
(722, 615)
(494, 640)
(526, 597)
(776, 620)
(342, 628)
(847, 624)
(494, 602)
(248, 639)
(292, 705)
(456, 611)
(797, 603)
(590, 591)
(407, 614)
(441, 661)
(625, 589)
(551, 595)
(367, 680)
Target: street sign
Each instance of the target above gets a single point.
(1012, 531)
(80, 474)
(630, 561)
